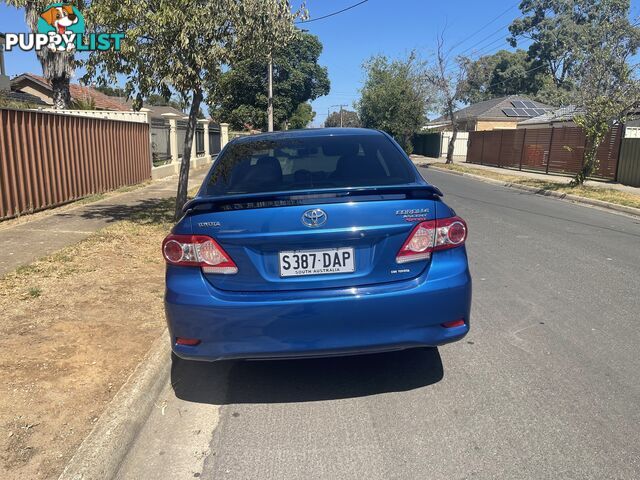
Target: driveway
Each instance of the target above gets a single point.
(546, 386)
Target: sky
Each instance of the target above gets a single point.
(389, 27)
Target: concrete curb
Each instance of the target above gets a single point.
(101, 453)
(546, 193)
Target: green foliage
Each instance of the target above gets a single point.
(302, 117)
(183, 48)
(498, 75)
(86, 103)
(241, 93)
(394, 97)
(606, 87)
(349, 119)
(111, 91)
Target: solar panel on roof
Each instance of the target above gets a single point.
(531, 112)
(541, 111)
(509, 112)
(521, 112)
(529, 104)
(518, 104)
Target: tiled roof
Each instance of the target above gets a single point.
(79, 92)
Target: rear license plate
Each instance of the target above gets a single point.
(316, 262)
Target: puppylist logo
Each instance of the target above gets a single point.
(61, 27)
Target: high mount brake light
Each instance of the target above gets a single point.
(430, 236)
(197, 251)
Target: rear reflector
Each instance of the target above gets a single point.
(430, 236)
(197, 251)
(191, 342)
(453, 324)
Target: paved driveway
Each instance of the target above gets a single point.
(547, 385)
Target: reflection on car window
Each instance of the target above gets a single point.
(311, 163)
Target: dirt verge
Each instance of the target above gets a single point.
(74, 326)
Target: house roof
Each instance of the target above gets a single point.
(22, 97)
(78, 92)
(562, 114)
(155, 110)
(494, 109)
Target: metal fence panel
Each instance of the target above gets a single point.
(48, 159)
(629, 166)
(550, 150)
(567, 150)
(160, 141)
(214, 141)
(199, 139)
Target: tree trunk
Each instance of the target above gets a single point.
(57, 67)
(183, 181)
(61, 96)
(590, 161)
(452, 143)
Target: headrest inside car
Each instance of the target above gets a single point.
(340, 148)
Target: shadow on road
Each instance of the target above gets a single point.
(286, 381)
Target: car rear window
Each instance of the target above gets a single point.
(308, 163)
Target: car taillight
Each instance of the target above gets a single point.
(430, 236)
(197, 251)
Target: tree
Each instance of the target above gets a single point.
(349, 119)
(606, 87)
(111, 91)
(183, 49)
(553, 27)
(302, 117)
(57, 67)
(500, 74)
(241, 95)
(584, 45)
(394, 98)
(448, 82)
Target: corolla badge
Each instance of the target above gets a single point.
(314, 218)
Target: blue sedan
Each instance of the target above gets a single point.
(315, 243)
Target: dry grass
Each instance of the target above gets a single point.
(597, 193)
(74, 326)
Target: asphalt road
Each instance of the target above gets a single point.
(546, 386)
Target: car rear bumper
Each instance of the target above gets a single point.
(344, 321)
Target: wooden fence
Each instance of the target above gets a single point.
(548, 150)
(47, 159)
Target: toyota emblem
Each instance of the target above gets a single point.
(314, 218)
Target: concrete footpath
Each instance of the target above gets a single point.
(420, 160)
(22, 243)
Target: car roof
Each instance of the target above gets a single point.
(308, 133)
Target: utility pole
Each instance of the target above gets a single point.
(270, 104)
(343, 105)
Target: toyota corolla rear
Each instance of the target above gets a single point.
(315, 243)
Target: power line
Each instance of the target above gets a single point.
(332, 14)
(485, 26)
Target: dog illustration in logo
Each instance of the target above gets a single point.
(60, 18)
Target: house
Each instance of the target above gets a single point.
(155, 111)
(7, 96)
(495, 114)
(38, 86)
